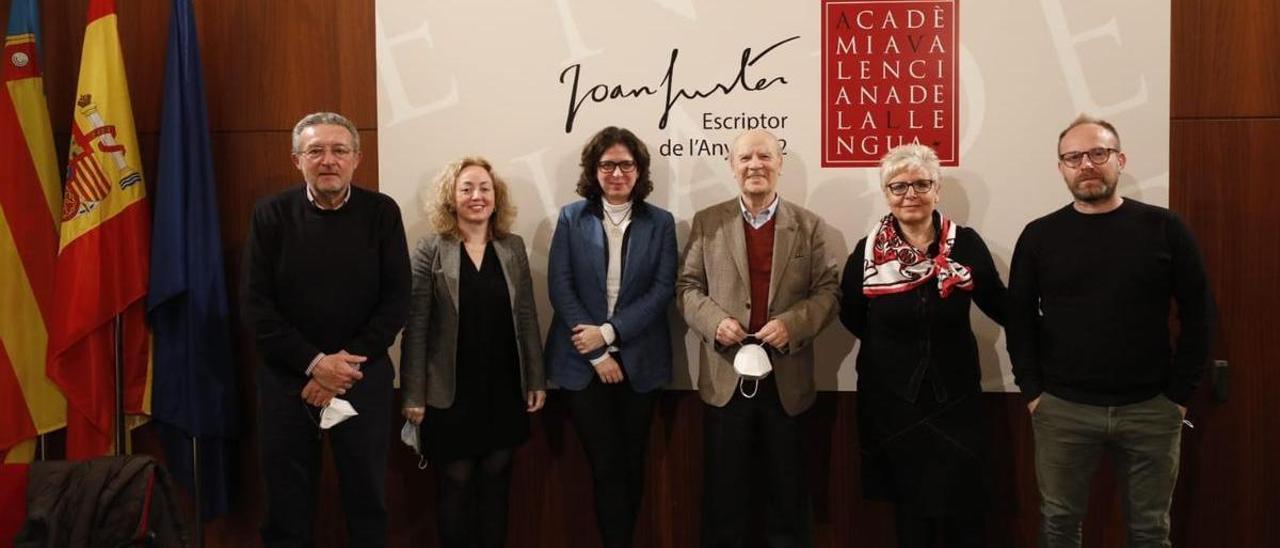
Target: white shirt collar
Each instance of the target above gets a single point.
(312, 198)
(759, 220)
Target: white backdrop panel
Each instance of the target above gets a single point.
(495, 78)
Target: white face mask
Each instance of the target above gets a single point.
(751, 363)
(409, 435)
(335, 412)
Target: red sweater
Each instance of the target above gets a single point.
(760, 268)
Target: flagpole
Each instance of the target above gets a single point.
(119, 336)
(195, 474)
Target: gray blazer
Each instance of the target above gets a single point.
(428, 350)
(714, 284)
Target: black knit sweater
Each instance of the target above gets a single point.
(325, 280)
(1089, 298)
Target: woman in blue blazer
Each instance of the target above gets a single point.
(611, 276)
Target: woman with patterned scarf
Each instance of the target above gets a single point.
(906, 293)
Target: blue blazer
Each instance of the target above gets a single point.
(576, 283)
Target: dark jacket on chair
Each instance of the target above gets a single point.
(114, 501)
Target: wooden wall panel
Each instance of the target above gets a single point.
(1224, 59)
(1224, 188)
(1223, 137)
(267, 63)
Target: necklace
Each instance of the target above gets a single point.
(614, 227)
(618, 222)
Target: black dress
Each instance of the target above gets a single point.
(920, 415)
(488, 411)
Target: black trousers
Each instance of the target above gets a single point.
(734, 435)
(954, 531)
(613, 422)
(291, 442)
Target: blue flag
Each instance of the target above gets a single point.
(193, 397)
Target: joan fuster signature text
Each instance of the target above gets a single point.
(600, 93)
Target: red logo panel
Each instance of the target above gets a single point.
(889, 77)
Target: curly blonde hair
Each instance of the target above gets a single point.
(439, 207)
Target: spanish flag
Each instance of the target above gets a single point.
(30, 205)
(103, 250)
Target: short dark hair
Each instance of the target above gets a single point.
(588, 181)
(1085, 119)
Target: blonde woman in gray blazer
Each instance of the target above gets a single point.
(471, 350)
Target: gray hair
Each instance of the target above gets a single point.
(904, 157)
(326, 119)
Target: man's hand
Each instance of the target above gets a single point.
(534, 399)
(414, 414)
(774, 334)
(316, 394)
(338, 372)
(609, 371)
(1182, 409)
(730, 332)
(1033, 404)
(587, 338)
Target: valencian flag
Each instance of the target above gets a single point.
(30, 204)
(187, 305)
(103, 254)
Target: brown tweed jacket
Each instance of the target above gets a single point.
(713, 284)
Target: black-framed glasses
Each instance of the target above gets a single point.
(1097, 156)
(899, 188)
(627, 166)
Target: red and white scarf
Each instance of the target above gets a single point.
(892, 265)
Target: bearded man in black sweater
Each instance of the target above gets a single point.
(326, 291)
(1088, 333)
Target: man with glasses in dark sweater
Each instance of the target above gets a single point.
(326, 291)
(1088, 333)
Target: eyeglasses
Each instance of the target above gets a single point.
(1097, 156)
(627, 166)
(899, 188)
(315, 154)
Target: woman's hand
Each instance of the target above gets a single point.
(609, 371)
(414, 414)
(534, 399)
(587, 338)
